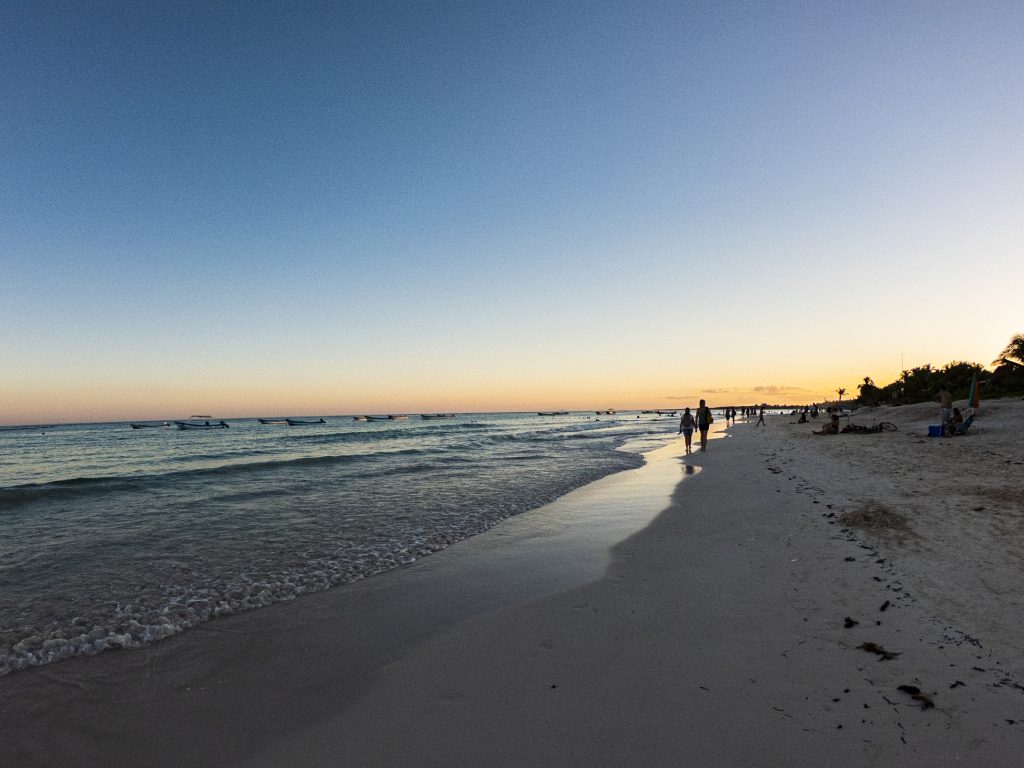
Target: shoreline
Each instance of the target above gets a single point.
(549, 549)
(178, 535)
(716, 637)
(711, 632)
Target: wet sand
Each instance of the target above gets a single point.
(654, 618)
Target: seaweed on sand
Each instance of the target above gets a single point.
(874, 515)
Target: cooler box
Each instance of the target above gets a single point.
(935, 431)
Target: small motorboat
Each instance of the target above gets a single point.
(272, 421)
(205, 425)
(303, 422)
(397, 416)
(606, 412)
(145, 425)
(552, 413)
(437, 415)
(361, 418)
(377, 418)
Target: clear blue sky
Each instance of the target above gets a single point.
(349, 206)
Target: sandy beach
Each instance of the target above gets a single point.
(724, 608)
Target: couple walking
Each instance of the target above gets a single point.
(702, 421)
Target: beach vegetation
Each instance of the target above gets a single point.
(1013, 353)
(1007, 378)
(870, 394)
(921, 384)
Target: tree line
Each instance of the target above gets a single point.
(921, 384)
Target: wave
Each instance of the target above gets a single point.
(254, 547)
(19, 495)
(473, 445)
(388, 431)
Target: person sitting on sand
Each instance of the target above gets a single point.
(957, 419)
(832, 428)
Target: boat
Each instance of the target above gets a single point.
(606, 412)
(666, 413)
(273, 421)
(397, 416)
(144, 425)
(377, 418)
(303, 422)
(437, 415)
(361, 418)
(552, 413)
(205, 425)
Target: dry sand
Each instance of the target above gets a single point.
(957, 503)
(712, 633)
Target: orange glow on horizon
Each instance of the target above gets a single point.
(102, 404)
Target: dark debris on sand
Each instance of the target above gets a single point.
(879, 651)
(916, 694)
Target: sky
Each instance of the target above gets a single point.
(260, 208)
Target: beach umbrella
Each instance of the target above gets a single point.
(973, 399)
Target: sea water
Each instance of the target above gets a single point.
(115, 538)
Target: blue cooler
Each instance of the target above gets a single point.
(935, 431)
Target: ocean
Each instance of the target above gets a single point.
(116, 538)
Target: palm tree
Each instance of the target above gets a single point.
(841, 391)
(1013, 353)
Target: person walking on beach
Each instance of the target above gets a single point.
(704, 421)
(760, 419)
(686, 425)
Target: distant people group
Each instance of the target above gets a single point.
(700, 420)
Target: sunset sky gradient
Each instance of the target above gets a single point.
(319, 208)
